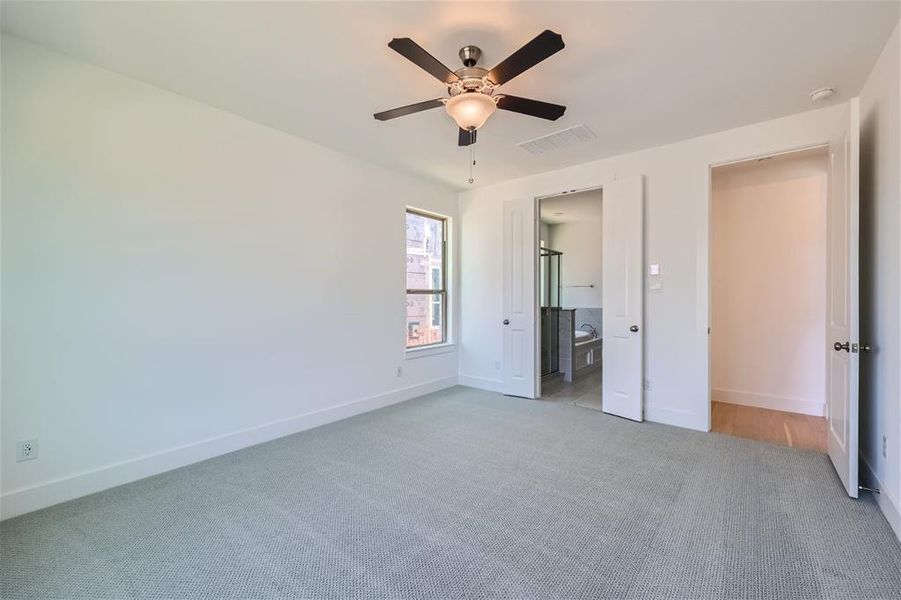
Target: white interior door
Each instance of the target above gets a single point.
(623, 298)
(843, 296)
(520, 311)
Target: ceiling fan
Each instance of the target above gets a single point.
(472, 90)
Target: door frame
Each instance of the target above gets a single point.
(709, 238)
(537, 283)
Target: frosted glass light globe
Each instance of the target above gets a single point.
(470, 109)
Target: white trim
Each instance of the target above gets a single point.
(482, 383)
(414, 353)
(676, 418)
(803, 148)
(794, 405)
(888, 504)
(17, 502)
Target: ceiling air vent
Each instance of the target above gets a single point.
(561, 139)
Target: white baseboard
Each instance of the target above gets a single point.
(888, 504)
(482, 383)
(804, 407)
(677, 418)
(24, 500)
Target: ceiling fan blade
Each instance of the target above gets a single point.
(414, 53)
(466, 138)
(407, 110)
(544, 45)
(533, 108)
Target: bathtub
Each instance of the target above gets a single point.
(586, 354)
(581, 336)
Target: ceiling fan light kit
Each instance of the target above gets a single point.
(470, 109)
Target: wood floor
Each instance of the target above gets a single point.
(773, 426)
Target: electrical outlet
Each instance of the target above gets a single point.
(647, 385)
(883, 446)
(27, 450)
(400, 371)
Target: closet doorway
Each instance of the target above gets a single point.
(768, 275)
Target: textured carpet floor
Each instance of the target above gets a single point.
(468, 494)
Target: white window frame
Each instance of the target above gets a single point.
(446, 292)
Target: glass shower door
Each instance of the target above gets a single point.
(550, 310)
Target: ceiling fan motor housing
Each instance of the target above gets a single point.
(471, 79)
(470, 55)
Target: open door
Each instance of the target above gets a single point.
(623, 298)
(520, 310)
(843, 297)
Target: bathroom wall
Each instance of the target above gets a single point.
(566, 342)
(577, 233)
(590, 316)
(768, 270)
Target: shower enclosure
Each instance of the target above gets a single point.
(549, 272)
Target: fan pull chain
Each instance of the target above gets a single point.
(472, 160)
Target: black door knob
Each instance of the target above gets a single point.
(839, 346)
(506, 321)
(634, 328)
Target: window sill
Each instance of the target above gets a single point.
(430, 351)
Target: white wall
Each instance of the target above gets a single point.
(676, 229)
(582, 246)
(880, 200)
(768, 283)
(179, 282)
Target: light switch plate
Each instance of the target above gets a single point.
(654, 269)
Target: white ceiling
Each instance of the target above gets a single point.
(639, 74)
(569, 208)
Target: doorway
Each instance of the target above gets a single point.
(622, 326)
(570, 273)
(768, 273)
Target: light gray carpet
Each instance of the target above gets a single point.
(468, 494)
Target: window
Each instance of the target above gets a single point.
(426, 279)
